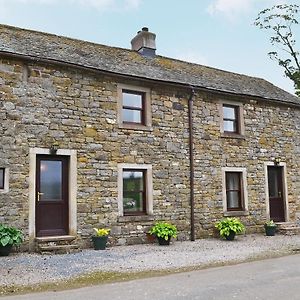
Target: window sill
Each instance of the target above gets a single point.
(236, 213)
(136, 127)
(142, 218)
(232, 135)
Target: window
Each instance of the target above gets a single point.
(134, 107)
(135, 190)
(232, 119)
(234, 192)
(2, 178)
(235, 195)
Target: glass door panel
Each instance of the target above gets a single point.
(50, 180)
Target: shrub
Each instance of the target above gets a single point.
(164, 230)
(10, 236)
(226, 225)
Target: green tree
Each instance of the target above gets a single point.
(281, 21)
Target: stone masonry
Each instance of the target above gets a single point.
(42, 104)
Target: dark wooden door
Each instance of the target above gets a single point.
(276, 196)
(52, 195)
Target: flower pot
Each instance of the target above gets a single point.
(163, 241)
(99, 242)
(151, 238)
(5, 250)
(231, 236)
(270, 230)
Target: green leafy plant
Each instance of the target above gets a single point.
(164, 230)
(270, 224)
(101, 231)
(227, 225)
(10, 236)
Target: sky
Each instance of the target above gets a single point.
(216, 33)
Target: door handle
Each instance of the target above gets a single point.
(279, 194)
(38, 196)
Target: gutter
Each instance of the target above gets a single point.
(192, 168)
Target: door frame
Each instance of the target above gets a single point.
(72, 176)
(284, 188)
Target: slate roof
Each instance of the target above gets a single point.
(130, 63)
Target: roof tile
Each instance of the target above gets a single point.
(128, 62)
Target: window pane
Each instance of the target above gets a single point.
(233, 200)
(134, 116)
(1, 178)
(232, 181)
(51, 180)
(133, 181)
(233, 190)
(133, 191)
(230, 126)
(229, 112)
(133, 202)
(273, 183)
(132, 100)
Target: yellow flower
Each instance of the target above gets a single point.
(101, 231)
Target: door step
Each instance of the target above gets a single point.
(57, 244)
(288, 228)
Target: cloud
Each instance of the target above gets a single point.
(7, 2)
(97, 4)
(132, 4)
(230, 8)
(101, 5)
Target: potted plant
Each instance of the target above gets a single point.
(270, 228)
(151, 238)
(229, 227)
(100, 238)
(9, 237)
(164, 232)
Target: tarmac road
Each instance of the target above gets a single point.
(274, 279)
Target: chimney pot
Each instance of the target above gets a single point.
(144, 42)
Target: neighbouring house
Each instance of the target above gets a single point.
(98, 136)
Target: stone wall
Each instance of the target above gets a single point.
(42, 104)
(270, 132)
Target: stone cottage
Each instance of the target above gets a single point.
(98, 136)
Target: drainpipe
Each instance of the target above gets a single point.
(192, 171)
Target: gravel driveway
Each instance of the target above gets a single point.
(30, 269)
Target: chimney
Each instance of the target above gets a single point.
(144, 42)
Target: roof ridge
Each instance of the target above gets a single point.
(63, 37)
(124, 49)
(129, 62)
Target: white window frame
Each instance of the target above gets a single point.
(6, 181)
(147, 107)
(245, 211)
(241, 123)
(149, 186)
